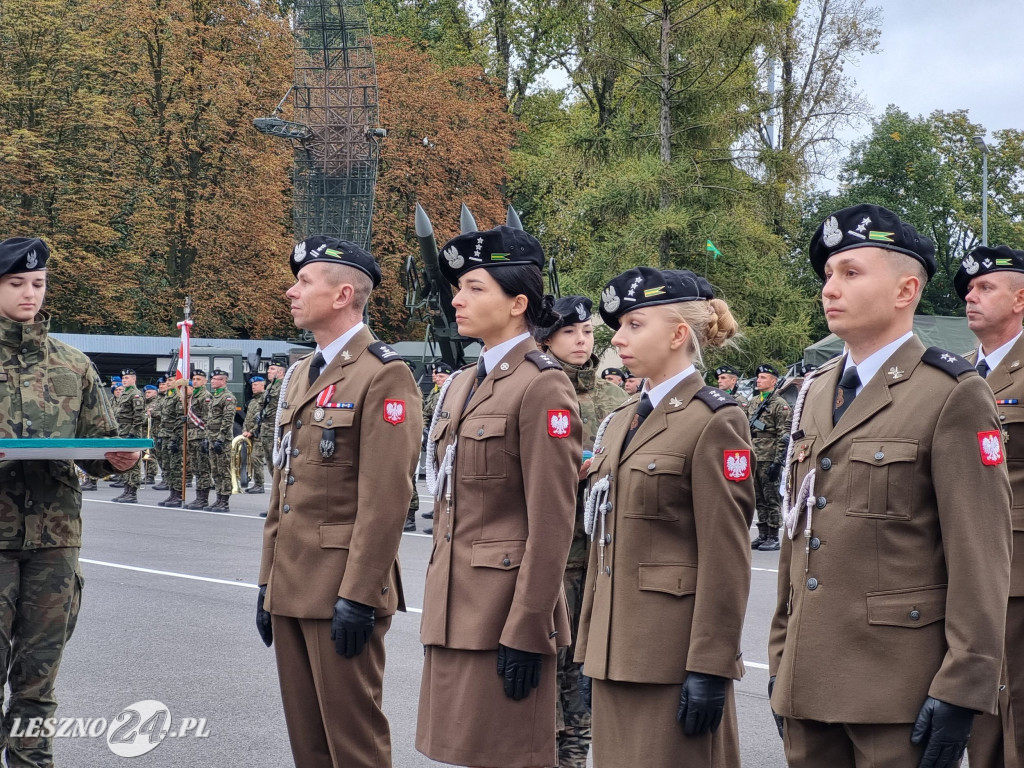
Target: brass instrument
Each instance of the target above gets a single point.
(241, 463)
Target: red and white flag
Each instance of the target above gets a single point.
(184, 359)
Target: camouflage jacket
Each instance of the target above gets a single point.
(47, 389)
(268, 400)
(222, 415)
(154, 411)
(172, 414)
(199, 409)
(429, 404)
(252, 412)
(770, 442)
(597, 398)
(131, 413)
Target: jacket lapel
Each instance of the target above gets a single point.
(657, 422)
(1010, 366)
(515, 357)
(333, 373)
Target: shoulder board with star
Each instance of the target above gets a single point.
(384, 353)
(714, 398)
(952, 364)
(542, 360)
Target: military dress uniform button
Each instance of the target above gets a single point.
(608, 570)
(821, 502)
(24, 350)
(447, 537)
(815, 543)
(652, 465)
(607, 538)
(28, 422)
(826, 464)
(480, 432)
(295, 451)
(506, 562)
(291, 480)
(915, 615)
(384, 591)
(286, 508)
(1002, 417)
(298, 423)
(812, 584)
(879, 456)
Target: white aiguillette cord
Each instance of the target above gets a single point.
(443, 471)
(805, 494)
(282, 448)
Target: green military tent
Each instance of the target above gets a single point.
(950, 333)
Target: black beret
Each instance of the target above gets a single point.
(161, 380)
(861, 226)
(571, 310)
(985, 259)
(496, 247)
(614, 372)
(279, 360)
(440, 366)
(726, 369)
(199, 372)
(128, 372)
(646, 286)
(334, 251)
(766, 368)
(22, 254)
(217, 372)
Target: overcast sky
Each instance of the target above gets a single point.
(948, 55)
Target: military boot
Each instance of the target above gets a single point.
(174, 500)
(201, 501)
(428, 515)
(410, 522)
(771, 543)
(117, 484)
(129, 496)
(220, 505)
(161, 486)
(762, 529)
(89, 485)
(255, 489)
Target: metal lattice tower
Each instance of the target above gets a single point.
(334, 128)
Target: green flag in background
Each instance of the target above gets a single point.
(711, 247)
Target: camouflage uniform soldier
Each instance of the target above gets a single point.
(172, 422)
(728, 377)
(571, 343)
(47, 389)
(131, 422)
(255, 413)
(153, 429)
(198, 456)
(439, 375)
(220, 431)
(770, 434)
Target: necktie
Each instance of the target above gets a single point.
(845, 393)
(481, 374)
(983, 369)
(643, 410)
(315, 367)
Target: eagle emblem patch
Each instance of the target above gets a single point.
(558, 423)
(736, 465)
(991, 446)
(394, 411)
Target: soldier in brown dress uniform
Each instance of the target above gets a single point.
(991, 282)
(507, 439)
(895, 566)
(670, 500)
(347, 439)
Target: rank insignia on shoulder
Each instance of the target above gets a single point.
(952, 364)
(714, 398)
(991, 446)
(383, 352)
(543, 361)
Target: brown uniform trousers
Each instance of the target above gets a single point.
(668, 576)
(898, 591)
(998, 740)
(333, 529)
(500, 548)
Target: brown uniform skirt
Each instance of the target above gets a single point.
(465, 718)
(635, 724)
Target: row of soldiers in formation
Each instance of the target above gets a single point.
(199, 435)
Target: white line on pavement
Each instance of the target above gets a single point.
(176, 509)
(169, 573)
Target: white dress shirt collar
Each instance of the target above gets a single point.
(995, 357)
(494, 355)
(658, 393)
(331, 350)
(869, 366)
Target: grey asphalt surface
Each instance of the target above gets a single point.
(192, 644)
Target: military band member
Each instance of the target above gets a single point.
(47, 390)
(895, 567)
(172, 427)
(197, 457)
(669, 505)
(255, 412)
(265, 432)
(349, 421)
(570, 341)
(991, 282)
(131, 423)
(770, 420)
(507, 435)
(615, 376)
(220, 430)
(728, 381)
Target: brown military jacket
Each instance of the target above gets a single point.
(501, 540)
(335, 522)
(899, 591)
(1007, 382)
(667, 592)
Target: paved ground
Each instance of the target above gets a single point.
(168, 615)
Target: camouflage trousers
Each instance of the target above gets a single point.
(766, 494)
(220, 469)
(172, 463)
(256, 464)
(40, 594)
(414, 502)
(267, 442)
(198, 465)
(133, 477)
(573, 720)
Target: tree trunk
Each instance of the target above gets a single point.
(665, 126)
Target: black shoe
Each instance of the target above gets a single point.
(429, 530)
(410, 522)
(162, 487)
(90, 486)
(255, 489)
(263, 514)
(428, 515)
(756, 543)
(770, 544)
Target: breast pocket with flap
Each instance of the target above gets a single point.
(882, 478)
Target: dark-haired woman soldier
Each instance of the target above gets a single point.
(505, 444)
(669, 505)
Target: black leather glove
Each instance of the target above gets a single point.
(351, 627)
(204, 446)
(587, 692)
(780, 722)
(263, 619)
(701, 703)
(520, 670)
(173, 446)
(944, 730)
(218, 447)
(774, 471)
